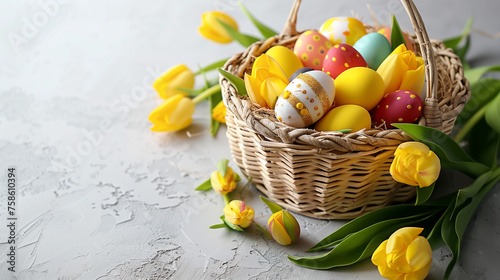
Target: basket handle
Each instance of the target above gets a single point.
(432, 114)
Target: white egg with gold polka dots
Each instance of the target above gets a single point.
(305, 99)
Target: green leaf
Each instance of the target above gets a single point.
(482, 92)
(205, 186)
(243, 39)
(480, 134)
(435, 236)
(263, 29)
(423, 194)
(474, 74)
(231, 225)
(461, 52)
(272, 206)
(397, 37)
(448, 151)
(492, 114)
(362, 244)
(212, 66)
(218, 226)
(371, 218)
(455, 41)
(236, 81)
(222, 166)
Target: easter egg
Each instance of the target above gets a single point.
(285, 57)
(359, 85)
(343, 30)
(374, 48)
(387, 33)
(305, 99)
(300, 71)
(401, 106)
(340, 58)
(311, 48)
(349, 116)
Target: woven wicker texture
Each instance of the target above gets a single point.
(330, 175)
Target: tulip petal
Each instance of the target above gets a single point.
(402, 237)
(420, 274)
(419, 253)
(157, 116)
(253, 89)
(428, 168)
(291, 225)
(271, 89)
(413, 80)
(379, 256)
(174, 77)
(392, 70)
(212, 29)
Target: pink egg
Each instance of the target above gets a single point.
(311, 48)
(401, 106)
(340, 58)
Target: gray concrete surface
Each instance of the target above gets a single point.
(99, 196)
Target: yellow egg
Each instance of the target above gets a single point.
(359, 85)
(345, 117)
(343, 30)
(285, 57)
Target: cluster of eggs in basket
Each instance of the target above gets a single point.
(334, 83)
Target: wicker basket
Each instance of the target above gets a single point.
(330, 175)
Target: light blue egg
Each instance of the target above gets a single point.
(374, 47)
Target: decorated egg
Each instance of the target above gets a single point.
(340, 58)
(300, 71)
(374, 48)
(401, 106)
(359, 85)
(305, 99)
(343, 30)
(285, 57)
(387, 33)
(311, 48)
(349, 116)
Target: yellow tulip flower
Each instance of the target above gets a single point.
(402, 70)
(415, 165)
(212, 29)
(283, 227)
(266, 82)
(238, 213)
(173, 114)
(226, 184)
(405, 255)
(178, 76)
(219, 112)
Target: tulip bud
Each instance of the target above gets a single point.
(219, 112)
(178, 76)
(224, 184)
(173, 114)
(212, 29)
(266, 82)
(405, 255)
(402, 70)
(415, 165)
(238, 213)
(283, 227)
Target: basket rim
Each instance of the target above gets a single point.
(437, 113)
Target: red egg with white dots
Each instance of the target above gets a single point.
(311, 48)
(340, 58)
(401, 106)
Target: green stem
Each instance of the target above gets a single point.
(470, 124)
(208, 92)
(212, 66)
(268, 235)
(226, 199)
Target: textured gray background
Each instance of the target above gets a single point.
(102, 197)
